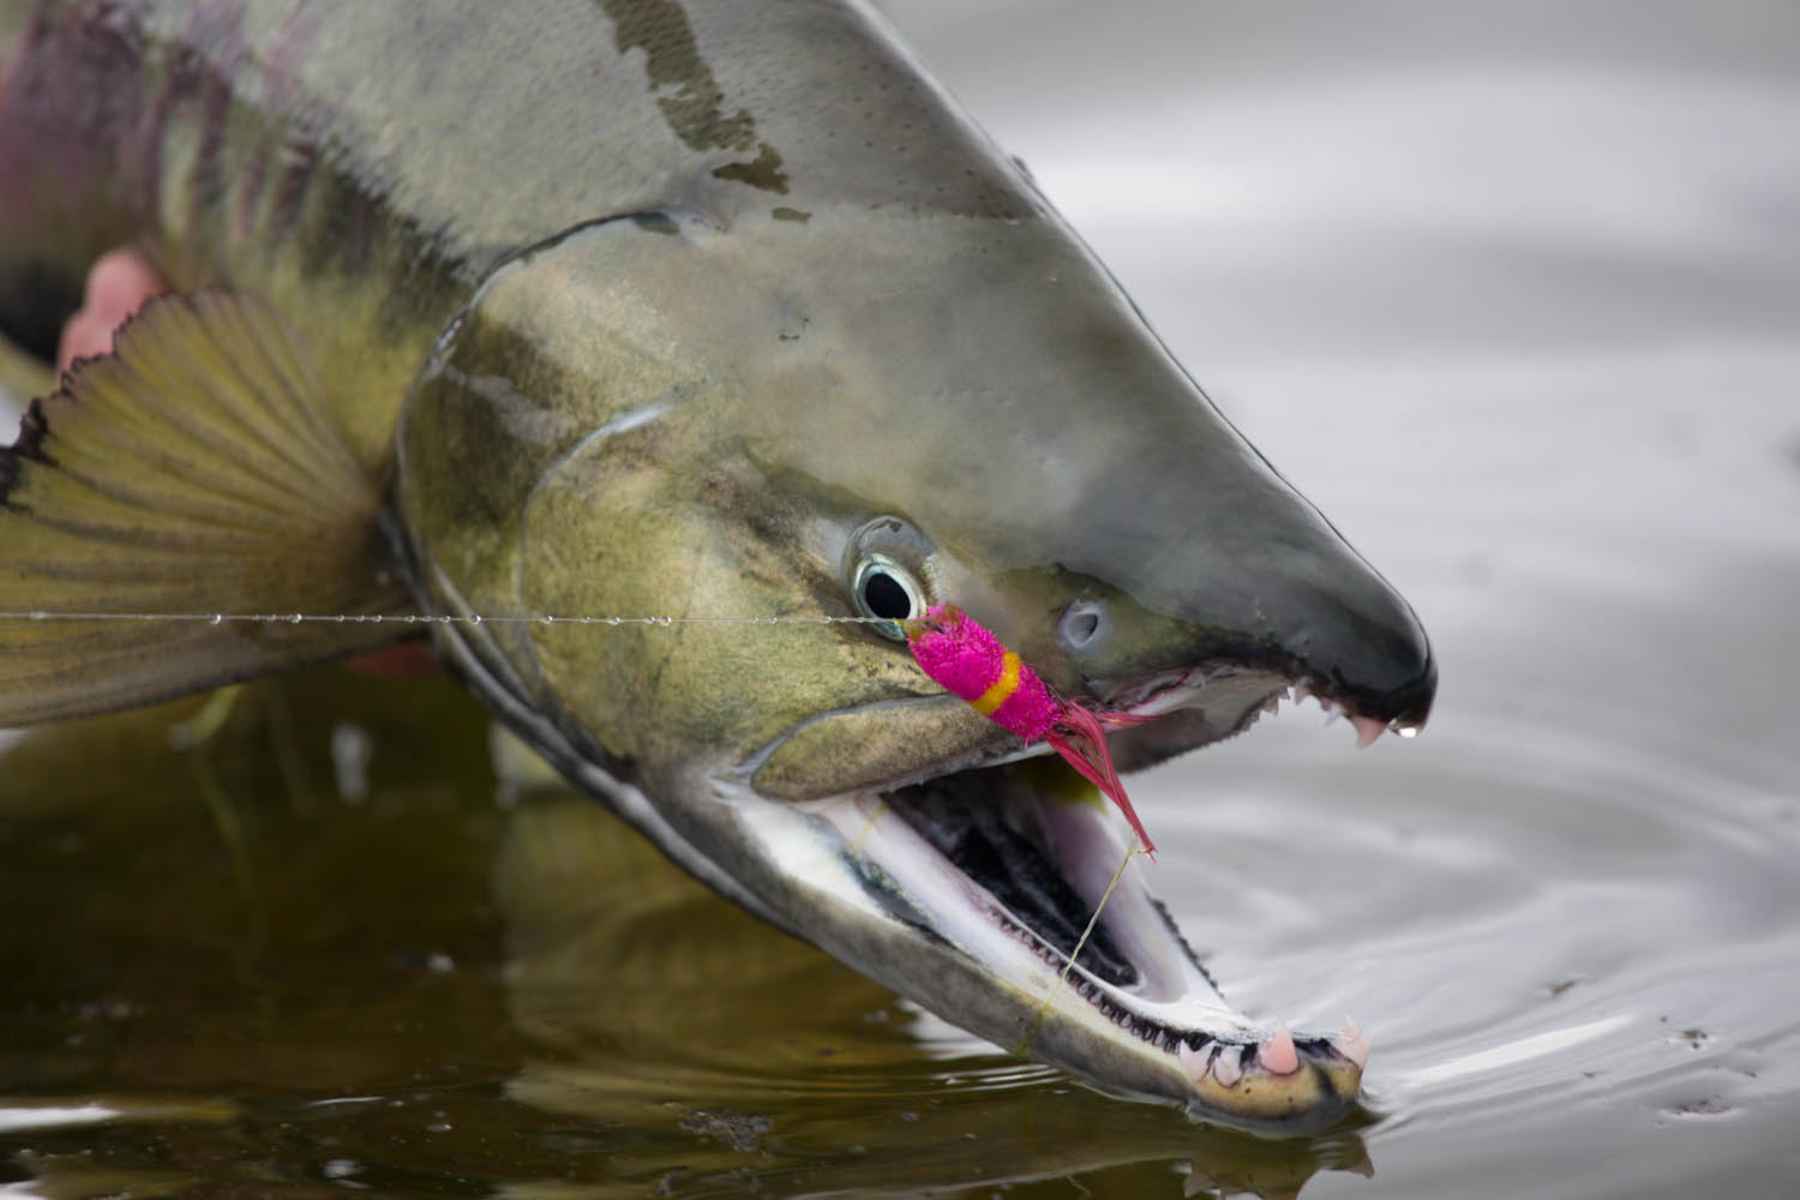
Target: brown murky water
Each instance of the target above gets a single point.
(1513, 295)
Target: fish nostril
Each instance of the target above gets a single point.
(1082, 624)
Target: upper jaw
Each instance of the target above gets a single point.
(1167, 713)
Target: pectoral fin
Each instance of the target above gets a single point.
(191, 471)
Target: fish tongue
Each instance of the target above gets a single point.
(1079, 738)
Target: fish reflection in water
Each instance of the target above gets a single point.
(458, 976)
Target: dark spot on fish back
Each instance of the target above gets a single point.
(799, 216)
(687, 92)
(763, 172)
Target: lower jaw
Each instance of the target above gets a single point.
(1136, 1013)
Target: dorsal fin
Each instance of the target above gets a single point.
(190, 471)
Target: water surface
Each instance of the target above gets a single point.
(1510, 292)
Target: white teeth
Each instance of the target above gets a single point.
(1350, 1043)
(1195, 1062)
(1278, 1054)
(1227, 1068)
(1301, 692)
(1367, 730)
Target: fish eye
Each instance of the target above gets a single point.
(888, 591)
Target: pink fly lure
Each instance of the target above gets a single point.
(964, 656)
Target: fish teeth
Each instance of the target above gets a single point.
(1227, 1067)
(1350, 1042)
(1368, 729)
(1195, 1062)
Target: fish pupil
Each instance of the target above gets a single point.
(886, 597)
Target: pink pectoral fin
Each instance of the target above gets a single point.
(118, 285)
(1081, 740)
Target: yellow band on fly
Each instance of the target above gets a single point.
(1001, 690)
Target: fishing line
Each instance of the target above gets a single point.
(1131, 852)
(220, 618)
(1043, 1005)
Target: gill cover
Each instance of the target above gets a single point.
(581, 443)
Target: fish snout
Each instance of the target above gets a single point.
(1323, 624)
(1356, 644)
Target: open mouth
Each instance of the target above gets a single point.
(967, 885)
(1009, 861)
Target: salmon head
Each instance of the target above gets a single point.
(860, 411)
